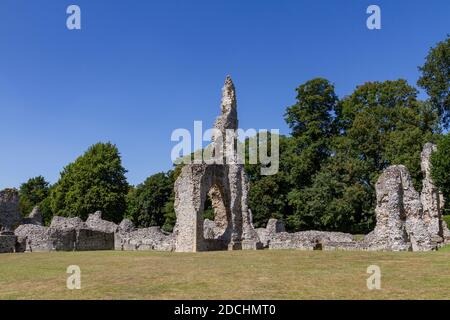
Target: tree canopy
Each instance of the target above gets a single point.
(32, 193)
(435, 79)
(95, 181)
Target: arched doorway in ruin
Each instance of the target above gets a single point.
(216, 216)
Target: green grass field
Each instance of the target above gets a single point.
(226, 275)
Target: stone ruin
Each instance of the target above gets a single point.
(64, 234)
(9, 219)
(406, 220)
(432, 200)
(225, 182)
(400, 224)
(72, 234)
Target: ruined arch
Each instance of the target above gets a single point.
(228, 185)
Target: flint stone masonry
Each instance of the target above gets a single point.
(399, 214)
(21, 244)
(310, 240)
(95, 222)
(35, 217)
(432, 200)
(64, 234)
(406, 220)
(7, 243)
(209, 229)
(126, 226)
(72, 234)
(43, 239)
(84, 237)
(153, 238)
(9, 210)
(265, 234)
(227, 186)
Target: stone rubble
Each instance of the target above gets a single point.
(152, 238)
(95, 222)
(72, 234)
(35, 217)
(266, 234)
(64, 234)
(310, 240)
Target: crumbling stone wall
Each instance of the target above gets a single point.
(37, 238)
(64, 234)
(225, 183)
(399, 212)
(310, 240)
(9, 210)
(9, 218)
(273, 227)
(128, 238)
(95, 222)
(35, 217)
(432, 199)
(7, 243)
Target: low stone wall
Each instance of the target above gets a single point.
(7, 243)
(95, 222)
(89, 240)
(35, 217)
(273, 238)
(152, 238)
(64, 234)
(37, 238)
(265, 234)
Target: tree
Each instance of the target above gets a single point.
(311, 120)
(32, 193)
(435, 79)
(384, 124)
(147, 200)
(440, 168)
(379, 125)
(95, 181)
(267, 197)
(339, 199)
(169, 208)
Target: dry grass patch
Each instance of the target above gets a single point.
(226, 275)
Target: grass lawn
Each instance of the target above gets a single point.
(267, 274)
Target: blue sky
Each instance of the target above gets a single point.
(140, 69)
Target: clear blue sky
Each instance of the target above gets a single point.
(139, 69)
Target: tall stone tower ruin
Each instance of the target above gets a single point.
(227, 186)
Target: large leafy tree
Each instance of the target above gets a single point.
(384, 124)
(435, 79)
(146, 202)
(268, 194)
(33, 193)
(311, 120)
(95, 181)
(381, 124)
